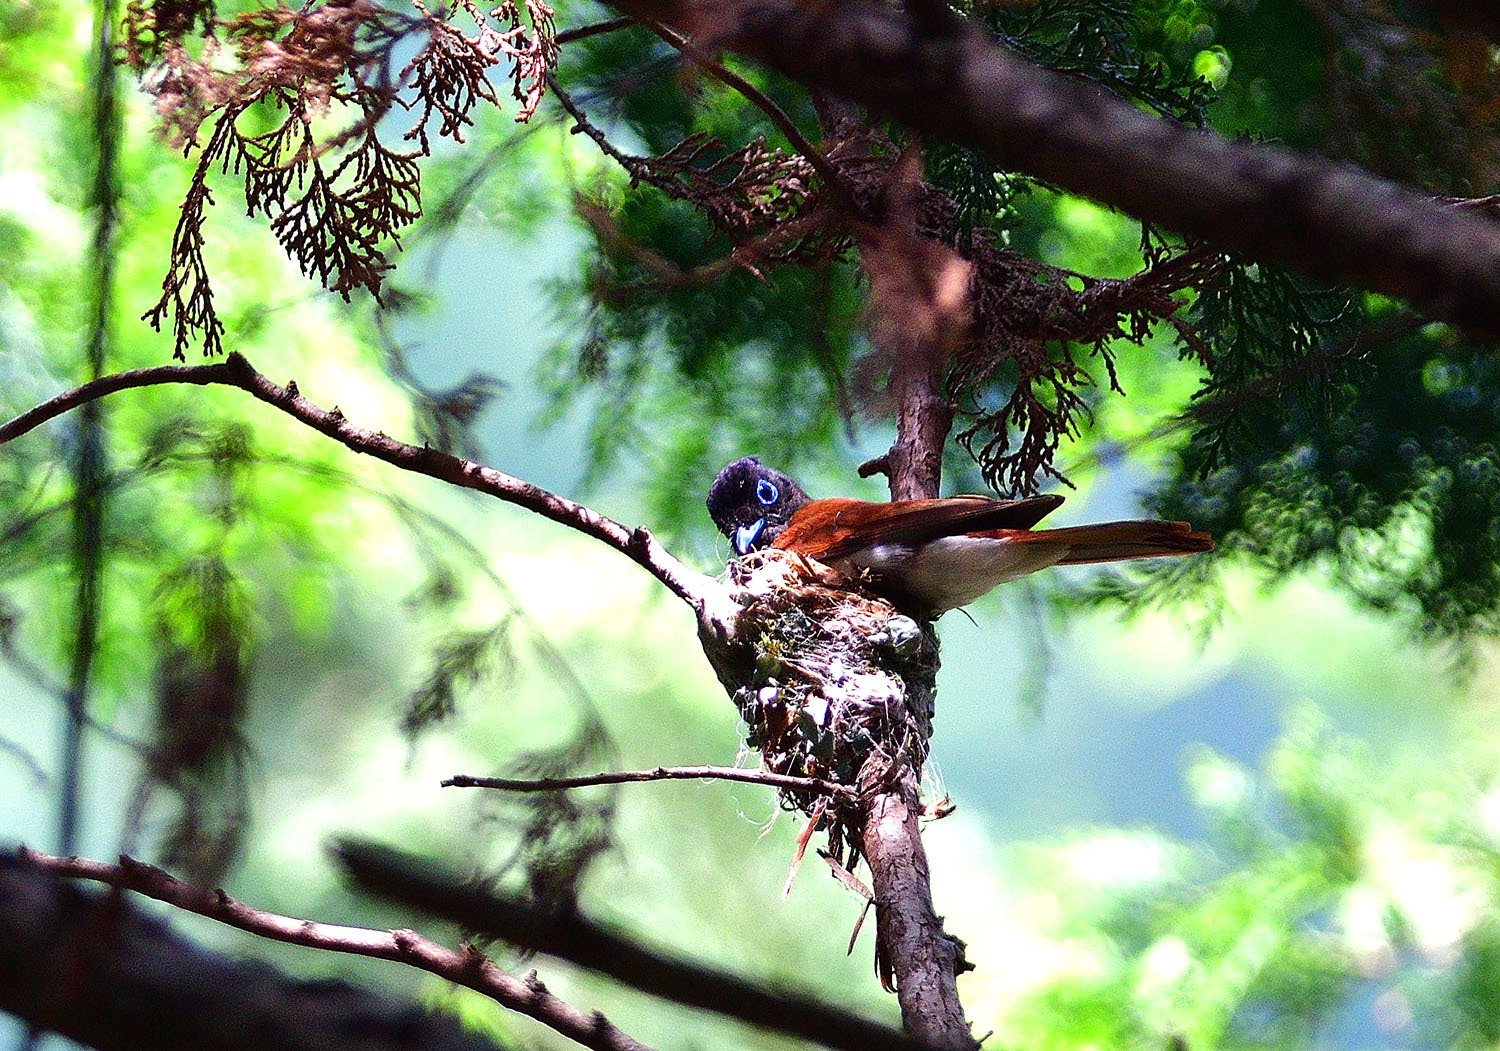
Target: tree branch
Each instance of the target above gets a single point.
(1325, 219)
(696, 589)
(467, 967)
(919, 310)
(919, 302)
(407, 879)
(104, 974)
(676, 773)
(582, 125)
(665, 274)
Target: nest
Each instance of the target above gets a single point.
(834, 683)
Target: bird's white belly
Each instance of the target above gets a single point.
(954, 571)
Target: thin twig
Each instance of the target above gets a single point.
(665, 274)
(581, 124)
(830, 172)
(661, 773)
(467, 967)
(696, 589)
(609, 25)
(18, 752)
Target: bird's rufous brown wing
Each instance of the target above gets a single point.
(831, 529)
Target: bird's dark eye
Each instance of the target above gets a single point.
(765, 491)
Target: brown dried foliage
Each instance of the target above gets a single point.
(1019, 373)
(266, 84)
(269, 84)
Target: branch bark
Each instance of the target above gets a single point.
(99, 972)
(467, 967)
(407, 879)
(923, 420)
(926, 959)
(1328, 220)
(919, 311)
(699, 591)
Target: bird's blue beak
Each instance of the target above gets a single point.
(746, 535)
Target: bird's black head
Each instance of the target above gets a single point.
(752, 503)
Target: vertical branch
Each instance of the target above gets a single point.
(919, 311)
(923, 419)
(88, 463)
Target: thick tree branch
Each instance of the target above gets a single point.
(661, 773)
(404, 878)
(923, 420)
(919, 311)
(923, 959)
(467, 967)
(697, 590)
(1328, 220)
(99, 972)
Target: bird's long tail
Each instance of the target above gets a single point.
(1119, 541)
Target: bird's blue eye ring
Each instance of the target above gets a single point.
(766, 492)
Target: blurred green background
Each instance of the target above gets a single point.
(1263, 814)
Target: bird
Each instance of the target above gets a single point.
(925, 556)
